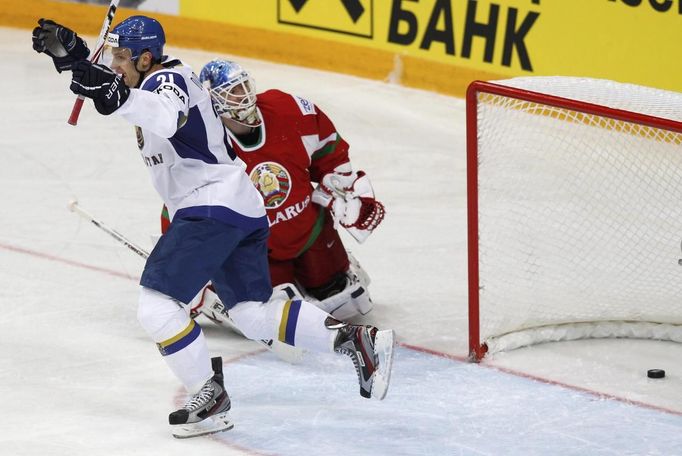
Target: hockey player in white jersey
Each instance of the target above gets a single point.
(219, 228)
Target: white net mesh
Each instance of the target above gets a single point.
(580, 216)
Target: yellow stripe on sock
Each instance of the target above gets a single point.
(179, 336)
(283, 322)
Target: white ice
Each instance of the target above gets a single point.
(79, 377)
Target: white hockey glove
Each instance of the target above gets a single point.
(350, 199)
(208, 304)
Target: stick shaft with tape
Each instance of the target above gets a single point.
(75, 207)
(94, 58)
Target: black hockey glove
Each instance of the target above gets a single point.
(101, 84)
(60, 43)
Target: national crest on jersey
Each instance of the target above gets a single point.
(298, 144)
(273, 181)
(139, 136)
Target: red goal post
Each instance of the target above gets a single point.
(574, 212)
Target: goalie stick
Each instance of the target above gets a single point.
(288, 353)
(94, 58)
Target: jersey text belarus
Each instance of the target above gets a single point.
(289, 212)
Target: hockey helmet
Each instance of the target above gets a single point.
(139, 34)
(232, 90)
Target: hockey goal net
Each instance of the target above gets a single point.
(575, 212)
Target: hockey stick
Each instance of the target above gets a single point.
(283, 351)
(73, 206)
(99, 48)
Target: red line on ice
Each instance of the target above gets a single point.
(77, 264)
(452, 357)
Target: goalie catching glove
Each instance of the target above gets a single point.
(101, 84)
(59, 42)
(350, 199)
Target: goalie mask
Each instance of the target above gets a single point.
(233, 91)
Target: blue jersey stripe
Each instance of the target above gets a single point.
(185, 338)
(292, 321)
(191, 140)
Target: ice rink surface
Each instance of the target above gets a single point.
(79, 377)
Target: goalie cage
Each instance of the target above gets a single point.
(574, 212)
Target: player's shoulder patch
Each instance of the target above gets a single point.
(285, 104)
(307, 108)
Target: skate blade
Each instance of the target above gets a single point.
(211, 425)
(384, 342)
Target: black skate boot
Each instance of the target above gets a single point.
(207, 411)
(372, 353)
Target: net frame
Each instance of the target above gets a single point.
(477, 347)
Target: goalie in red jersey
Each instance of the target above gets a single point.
(299, 163)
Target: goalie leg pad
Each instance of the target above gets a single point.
(357, 269)
(286, 291)
(337, 284)
(352, 301)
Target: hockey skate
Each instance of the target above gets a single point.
(372, 353)
(206, 412)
